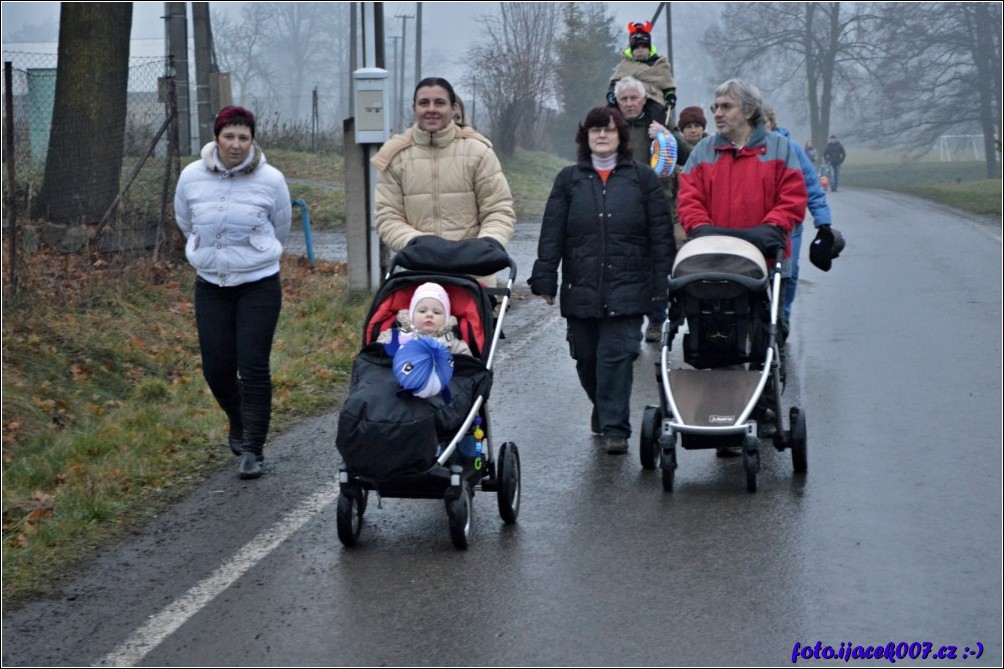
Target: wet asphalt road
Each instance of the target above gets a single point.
(894, 535)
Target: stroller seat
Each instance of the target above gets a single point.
(719, 285)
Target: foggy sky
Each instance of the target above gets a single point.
(450, 29)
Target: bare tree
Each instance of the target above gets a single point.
(826, 45)
(296, 45)
(941, 73)
(84, 162)
(333, 52)
(278, 52)
(514, 64)
(240, 44)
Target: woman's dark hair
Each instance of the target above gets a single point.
(435, 81)
(600, 117)
(233, 116)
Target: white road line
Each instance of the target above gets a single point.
(165, 623)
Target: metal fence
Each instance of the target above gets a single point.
(139, 209)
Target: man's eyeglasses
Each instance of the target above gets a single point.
(724, 106)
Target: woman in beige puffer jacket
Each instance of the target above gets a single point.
(438, 178)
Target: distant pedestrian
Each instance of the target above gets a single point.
(834, 155)
(811, 152)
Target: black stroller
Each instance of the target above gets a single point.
(728, 392)
(408, 447)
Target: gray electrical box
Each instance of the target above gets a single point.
(371, 112)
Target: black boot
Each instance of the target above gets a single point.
(235, 433)
(256, 422)
(250, 467)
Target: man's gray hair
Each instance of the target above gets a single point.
(626, 83)
(750, 100)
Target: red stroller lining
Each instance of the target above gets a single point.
(463, 307)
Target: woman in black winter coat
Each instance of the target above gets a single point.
(607, 224)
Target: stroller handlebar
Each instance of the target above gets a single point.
(479, 256)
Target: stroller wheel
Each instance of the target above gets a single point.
(649, 448)
(349, 518)
(668, 465)
(798, 441)
(508, 473)
(751, 463)
(458, 511)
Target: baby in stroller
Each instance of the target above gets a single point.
(427, 315)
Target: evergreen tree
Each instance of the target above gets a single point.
(587, 55)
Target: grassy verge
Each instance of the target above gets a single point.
(530, 175)
(104, 407)
(962, 185)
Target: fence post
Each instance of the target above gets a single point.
(169, 159)
(8, 78)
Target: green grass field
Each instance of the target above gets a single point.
(960, 184)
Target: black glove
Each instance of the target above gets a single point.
(704, 230)
(821, 249)
(611, 98)
(670, 95)
(768, 238)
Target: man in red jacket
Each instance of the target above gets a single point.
(747, 178)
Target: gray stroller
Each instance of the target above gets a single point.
(727, 392)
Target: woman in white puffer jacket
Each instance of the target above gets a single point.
(235, 212)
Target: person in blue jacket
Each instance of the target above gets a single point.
(818, 207)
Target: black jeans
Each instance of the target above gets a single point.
(236, 325)
(604, 350)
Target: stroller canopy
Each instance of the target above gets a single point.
(719, 258)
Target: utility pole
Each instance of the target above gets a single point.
(418, 42)
(669, 28)
(398, 75)
(203, 63)
(669, 34)
(353, 56)
(378, 36)
(400, 80)
(176, 16)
